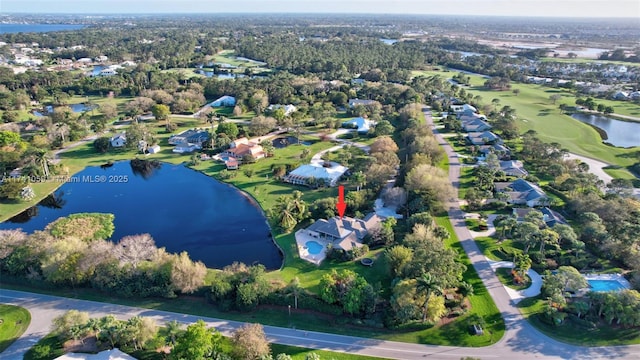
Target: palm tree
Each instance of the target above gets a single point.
(173, 328)
(42, 158)
(427, 285)
(359, 179)
(294, 289)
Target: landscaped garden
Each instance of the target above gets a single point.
(14, 321)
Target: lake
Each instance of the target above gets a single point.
(619, 133)
(76, 108)
(37, 28)
(182, 209)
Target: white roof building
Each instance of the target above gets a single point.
(330, 172)
(288, 109)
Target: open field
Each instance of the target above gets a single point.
(14, 321)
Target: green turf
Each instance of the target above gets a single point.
(505, 277)
(14, 321)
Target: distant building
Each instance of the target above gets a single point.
(224, 101)
(358, 102)
(191, 136)
(242, 147)
(288, 109)
(361, 124)
(118, 140)
(153, 149)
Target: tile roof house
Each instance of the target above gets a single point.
(513, 168)
(242, 146)
(224, 101)
(329, 172)
(500, 150)
(550, 217)
(523, 192)
(361, 124)
(482, 138)
(346, 233)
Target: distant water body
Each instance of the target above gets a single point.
(37, 28)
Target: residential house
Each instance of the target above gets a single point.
(191, 136)
(112, 354)
(118, 140)
(475, 124)
(503, 152)
(107, 72)
(346, 233)
(523, 192)
(550, 217)
(358, 102)
(242, 147)
(634, 95)
(102, 58)
(361, 124)
(288, 109)
(621, 95)
(513, 168)
(357, 81)
(482, 138)
(329, 172)
(232, 163)
(464, 109)
(224, 101)
(185, 148)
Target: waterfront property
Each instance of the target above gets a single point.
(243, 147)
(328, 172)
(118, 140)
(344, 233)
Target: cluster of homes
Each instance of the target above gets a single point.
(519, 192)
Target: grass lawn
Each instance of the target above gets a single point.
(499, 251)
(573, 333)
(504, 274)
(535, 111)
(466, 180)
(14, 320)
(228, 57)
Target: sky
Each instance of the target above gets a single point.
(545, 8)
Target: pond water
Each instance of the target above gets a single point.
(182, 209)
(283, 142)
(389, 41)
(619, 133)
(76, 108)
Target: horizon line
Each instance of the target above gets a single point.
(32, 14)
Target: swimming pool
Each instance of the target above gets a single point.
(314, 247)
(605, 285)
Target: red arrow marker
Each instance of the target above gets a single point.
(341, 205)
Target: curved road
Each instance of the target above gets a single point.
(521, 340)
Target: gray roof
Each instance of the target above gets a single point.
(341, 228)
(521, 190)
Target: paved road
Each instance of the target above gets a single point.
(520, 335)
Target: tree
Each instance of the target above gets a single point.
(141, 330)
(102, 144)
(228, 128)
(289, 210)
(554, 98)
(135, 248)
(384, 144)
(109, 110)
(186, 275)
(516, 92)
(430, 179)
(250, 342)
(162, 112)
(12, 189)
(197, 342)
(384, 128)
(397, 258)
(522, 264)
(261, 125)
(528, 233)
(427, 286)
(65, 324)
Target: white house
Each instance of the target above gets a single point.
(361, 124)
(102, 58)
(224, 101)
(288, 109)
(107, 72)
(153, 149)
(118, 140)
(329, 172)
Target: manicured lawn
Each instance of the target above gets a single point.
(504, 274)
(573, 333)
(298, 353)
(535, 111)
(466, 181)
(495, 250)
(14, 320)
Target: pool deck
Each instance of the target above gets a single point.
(302, 236)
(609, 277)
